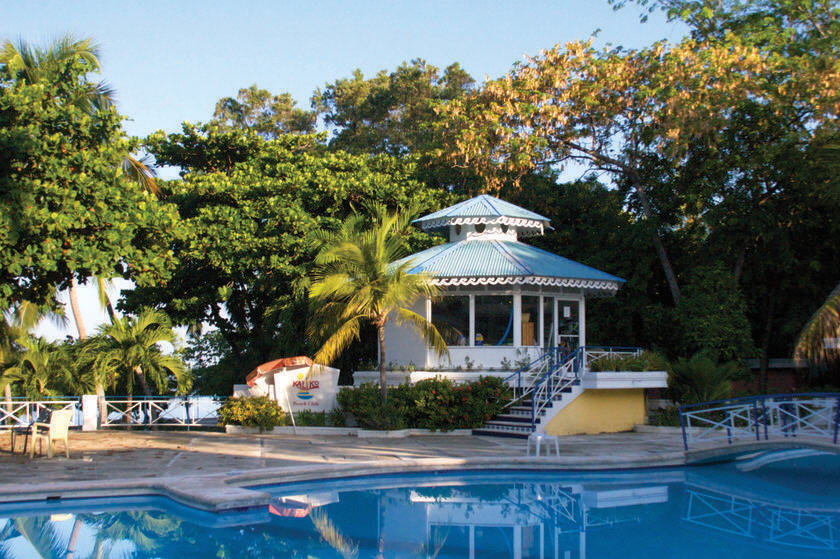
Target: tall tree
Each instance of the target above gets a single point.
(270, 116)
(249, 205)
(357, 279)
(394, 113)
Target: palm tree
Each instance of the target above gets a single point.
(354, 282)
(37, 370)
(130, 347)
(823, 325)
(32, 64)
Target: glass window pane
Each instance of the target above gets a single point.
(567, 318)
(548, 322)
(451, 316)
(494, 320)
(530, 320)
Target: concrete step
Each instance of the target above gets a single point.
(513, 418)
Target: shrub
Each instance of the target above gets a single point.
(258, 411)
(647, 361)
(309, 418)
(702, 378)
(436, 404)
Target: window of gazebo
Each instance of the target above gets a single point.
(505, 319)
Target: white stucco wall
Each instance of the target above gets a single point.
(402, 344)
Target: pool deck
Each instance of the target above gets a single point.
(212, 471)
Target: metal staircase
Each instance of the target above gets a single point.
(536, 388)
(542, 388)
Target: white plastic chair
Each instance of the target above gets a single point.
(57, 429)
(537, 439)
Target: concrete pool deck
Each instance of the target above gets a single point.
(211, 471)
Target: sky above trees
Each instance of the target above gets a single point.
(172, 61)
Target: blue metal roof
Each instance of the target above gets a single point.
(499, 258)
(483, 206)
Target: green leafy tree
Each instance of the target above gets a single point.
(131, 347)
(68, 211)
(394, 113)
(270, 116)
(249, 205)
(712, 315)
(354, 282)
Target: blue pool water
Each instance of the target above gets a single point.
(762, 507)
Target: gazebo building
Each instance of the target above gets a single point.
(505, 304)
(502, 301)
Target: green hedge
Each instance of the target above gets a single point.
(436, 404)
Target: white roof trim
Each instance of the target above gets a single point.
(600, 285)
(519, 222)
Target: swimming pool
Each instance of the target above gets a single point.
(768, 506)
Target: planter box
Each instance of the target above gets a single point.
(242, 430)
(342, 431)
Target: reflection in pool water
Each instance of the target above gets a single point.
(763, 506)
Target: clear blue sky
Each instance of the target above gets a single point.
(171, 61)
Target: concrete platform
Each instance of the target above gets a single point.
(212, 471)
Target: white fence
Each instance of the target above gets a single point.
(169, 411)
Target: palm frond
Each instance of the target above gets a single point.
(426, 329)
(140, 171)
(823, 325)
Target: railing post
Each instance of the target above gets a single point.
(836, 419)
(764, 416)
(755, 415)
(682, 424)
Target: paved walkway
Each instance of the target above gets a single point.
(154, 459)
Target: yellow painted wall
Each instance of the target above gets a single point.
(600, 411)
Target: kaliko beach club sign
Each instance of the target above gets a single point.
(296, 383)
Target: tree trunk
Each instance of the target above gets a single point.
(765, 343)
(670, 276)
(77, 311)
(74, 537)
(141, 378)
(101, 403)
(383, 378)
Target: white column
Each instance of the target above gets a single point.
(472, 320)
(582, 320)
(541, 324)
(517, 542)
(430, 352)
(90, 412)
(555, 320)
(517, 319)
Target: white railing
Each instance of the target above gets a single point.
(22, 413)
(164, 411)
(173, 411)
(554, 382)
(759, 418)
(524, 380)
(763, 520)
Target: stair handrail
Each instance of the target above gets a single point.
(565, 370)
(532, 372)
(562, 374)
